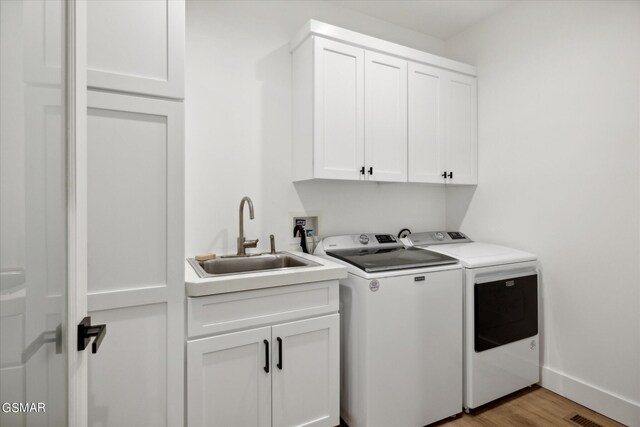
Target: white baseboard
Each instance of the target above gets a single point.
(606, 403)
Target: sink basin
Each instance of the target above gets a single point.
(250, 264)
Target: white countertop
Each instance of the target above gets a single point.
(196, 286)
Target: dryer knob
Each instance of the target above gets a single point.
(439, 236)
(364, 239)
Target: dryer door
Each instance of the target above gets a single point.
(505, 310)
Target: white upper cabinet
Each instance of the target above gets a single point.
(385, 117)
(425, 132)
(460, 129)
(136, 46)
(368, 109)
(339, 110)
(443, 145)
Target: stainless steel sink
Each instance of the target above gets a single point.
(250, 264)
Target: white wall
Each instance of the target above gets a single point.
(559, 175)
(238, 131)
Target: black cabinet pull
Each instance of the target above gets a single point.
(86, 331)
(279, 353)
(371, 170)
(444, 174)
(362, 170)
(266, 356)
(451, 175)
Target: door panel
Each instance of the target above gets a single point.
(339, 110)
(33, 213)
(127, 379)
(121, 57)
(135, 210)
(127, 202)
(306, 372)
(385, 117)
(425, 139)
(227, 382)
(461, 129)
(505, 311)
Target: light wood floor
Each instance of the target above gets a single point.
(535, 407)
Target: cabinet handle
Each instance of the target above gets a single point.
(451, 175)
(279, 353)
(371, 170)
(362, 170)
(444, 174)
(266, 356)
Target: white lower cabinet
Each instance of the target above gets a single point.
(227, 381)
(278, 374)
(306, 373)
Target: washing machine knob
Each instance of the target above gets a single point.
(439, 236)
(364, 239)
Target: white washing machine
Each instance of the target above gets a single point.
(501, 314)
(400, 332)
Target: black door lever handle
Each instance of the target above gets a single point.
(86, 331)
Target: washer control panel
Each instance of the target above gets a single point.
(361, 241)
(437, 237)
(385, 238)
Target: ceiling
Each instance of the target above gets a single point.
(439, 18)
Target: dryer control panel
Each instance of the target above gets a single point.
(437, 238)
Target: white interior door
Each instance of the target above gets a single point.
(385, 118)
(40, 369)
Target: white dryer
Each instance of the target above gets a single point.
(501, 314)
(400, 332)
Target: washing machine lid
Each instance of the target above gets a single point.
(375, 260)
(476, 254)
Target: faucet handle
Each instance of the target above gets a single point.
(250, 243)
(273, 243)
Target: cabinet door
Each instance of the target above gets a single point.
(227, 384)
(425, 130)
(306, 372)
(385, 117)
(461, 128)
(339, 110)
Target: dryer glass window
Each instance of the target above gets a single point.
(505, 311)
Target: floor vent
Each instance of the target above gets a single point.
(582, 421)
